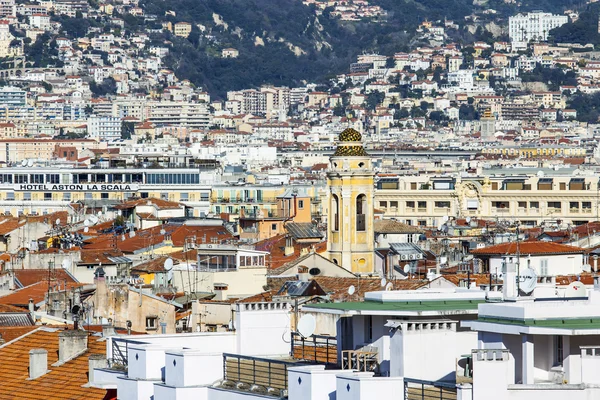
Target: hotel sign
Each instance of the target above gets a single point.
(83, 187)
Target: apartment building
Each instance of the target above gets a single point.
(532, 198)
(192, 115)
(13, 96)
(104, 128)
(264, 101)
(7, 8)
(17, 150)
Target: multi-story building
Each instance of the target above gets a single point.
(193, 115)
(182, 29)
(31, 189)
(17, 150)
(13, 96)
(7, 8)
(524, 195)
(104, 128)
(235, 199)
(533, 26)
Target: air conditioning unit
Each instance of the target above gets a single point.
(404, 256)
(412, 256)
(419, 256)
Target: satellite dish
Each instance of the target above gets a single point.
(540, 174)
(66, 263)
(162, 231)
(468, 220)
(99, 213)
(383, 282)
(75, 309)
(131, 234)
(168, 264)
(389, 286)
(528, 280)
(351, 290)
(86, 229)
(483, 231)
(57, 221)
(93, 219)
(445, 218)
(86, 223)
(576, 289)
(30, 163)
(23, 163)
(307, 325)
(406, 269)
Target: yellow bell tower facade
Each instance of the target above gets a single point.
(350, 180)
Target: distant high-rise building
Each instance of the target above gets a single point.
(533, 26)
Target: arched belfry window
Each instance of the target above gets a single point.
(361, 210)
(335, 204)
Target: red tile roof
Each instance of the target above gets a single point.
(62, 382)
(8, 333)
(151, 266)
(147, 238)
(27, 277)
(94, 257)
(528, 247)
(158, 203)
(37, 292)
(276, 246)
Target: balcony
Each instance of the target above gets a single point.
(244, 372)
(246, 200)
(319, 349)
(276, 214)
(364, 359)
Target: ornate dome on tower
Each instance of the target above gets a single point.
(350, 144)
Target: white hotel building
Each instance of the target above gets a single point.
(41, 190)
(523, 28)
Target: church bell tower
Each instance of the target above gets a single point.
(350, 181)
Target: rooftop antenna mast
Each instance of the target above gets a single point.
(518, 261)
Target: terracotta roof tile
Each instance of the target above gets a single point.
(392, 226)
(37, 292)
(158, 203)
(62, 382)
(27, 277)
(8, 333)
(528, 247)
(276, 246)
(151, 266)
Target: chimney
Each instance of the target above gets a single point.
(303, 275)
(71, 343)
(509, 285)
(95, 361)
(289, 247)
(31, 306)
(108, 330)
(38, 363)
(220, 291)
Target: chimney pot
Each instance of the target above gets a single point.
(31, 306)
(38, 363)
(70, 344)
